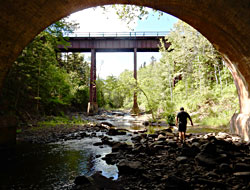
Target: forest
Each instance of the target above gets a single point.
(190, 73)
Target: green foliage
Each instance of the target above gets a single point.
(116, 92)
(101, 101)
(130, 13)
(170, 119)
(42, 81)
(78, 71)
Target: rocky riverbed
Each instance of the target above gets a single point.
(158, 160)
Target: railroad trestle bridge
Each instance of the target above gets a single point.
(113, 42)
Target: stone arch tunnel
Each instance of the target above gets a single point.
(225, 23)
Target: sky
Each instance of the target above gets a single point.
(94, 20)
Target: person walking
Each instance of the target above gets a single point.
(181, 122)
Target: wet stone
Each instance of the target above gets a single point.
(114, 132)
(182, 159)
(98, 144)
(125, 166)
(96, 182)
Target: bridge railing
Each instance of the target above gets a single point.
(118, 34)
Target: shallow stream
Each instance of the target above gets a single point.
(55, 165)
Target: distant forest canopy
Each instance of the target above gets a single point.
(191, 73)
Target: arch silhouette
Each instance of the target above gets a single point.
(225, 23)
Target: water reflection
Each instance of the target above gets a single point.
(52, 166)
(90, 151)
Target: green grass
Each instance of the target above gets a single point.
(215, 121)
(59, 120)
(207, 129)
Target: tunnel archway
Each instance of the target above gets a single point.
(225, 23)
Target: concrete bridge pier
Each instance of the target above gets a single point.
(92, 105)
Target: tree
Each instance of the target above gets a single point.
(130, 13)
(36, 79)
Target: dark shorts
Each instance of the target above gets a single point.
(182, 127)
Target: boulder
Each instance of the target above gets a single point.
(129, 167)
(209, 148)
(98, 144)
(118, 146)
(114, 132)
(206, 160)
(105, 123)
(111, 158)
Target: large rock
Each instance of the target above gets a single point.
(210, 160)
(114, 132)
(206, 160)
(209, 148)
(129, 167)
(111, 158)
(95, 182)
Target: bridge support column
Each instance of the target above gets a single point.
(92, 105)
(135, 109)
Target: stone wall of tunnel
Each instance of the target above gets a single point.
(226, 24)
